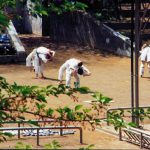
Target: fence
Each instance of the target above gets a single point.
(19, 128)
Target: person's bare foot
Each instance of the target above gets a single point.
(42, 77)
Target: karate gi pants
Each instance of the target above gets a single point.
(64, 67)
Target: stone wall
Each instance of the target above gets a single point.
(81, 28)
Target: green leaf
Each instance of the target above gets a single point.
(78, 107)
(4, 21)
(33, 122)
(21, 145)
(70, 115)
(53, 145)
(101, 99)
(86, 110)
(88, 147)
(49, 112)
(83, 90)
(8, 134)
(66, 109)
(132, 124)
(41, 98)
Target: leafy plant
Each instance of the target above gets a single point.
(4, 20)
(16, 101)
(83, 90)
(66, 6)
(116, 118)
(53, 145)
(88, 147)
(4, 135)
(21, 145)
(98, 97)
(35, 8)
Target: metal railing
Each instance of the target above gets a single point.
(123, 108)
(38, 128)
(136, 136)
(19, 128)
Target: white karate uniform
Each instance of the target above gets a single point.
(36, 59)
(69, 66)
(145, 58)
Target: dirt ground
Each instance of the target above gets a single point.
(110, 76)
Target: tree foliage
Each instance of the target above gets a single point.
(101, 9)
(120, 118)
(4, 15)
(36, 7)
(52, 145)
(17, 101)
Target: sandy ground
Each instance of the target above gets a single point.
(110, 76)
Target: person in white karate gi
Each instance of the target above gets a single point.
(73, 67)
(37, 58)
(145, 58)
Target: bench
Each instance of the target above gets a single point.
(47, 127)
(136, 136)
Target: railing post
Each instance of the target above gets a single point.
(38, 137)
(19, 130)
(141, 139)
(81, 136)
(120, 134)
(107, 117)
(61, 130)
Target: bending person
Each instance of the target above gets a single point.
(73, 67)
(145, 58)
(37, 58)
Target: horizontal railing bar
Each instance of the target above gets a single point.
(28, 128)
(38, 128)
(28, 121)
(122, 108)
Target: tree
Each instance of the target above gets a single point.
(17, 101)
(4, 16)
(36, 7)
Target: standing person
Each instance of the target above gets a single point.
(145, 58)
(37, 58)
(73, 67)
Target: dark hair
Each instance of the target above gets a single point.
(80, 71)
(48, 56)
(80, 64)
(50, 53)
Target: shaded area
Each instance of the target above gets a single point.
(6, 46)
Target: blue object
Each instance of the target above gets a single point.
(4, 38)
